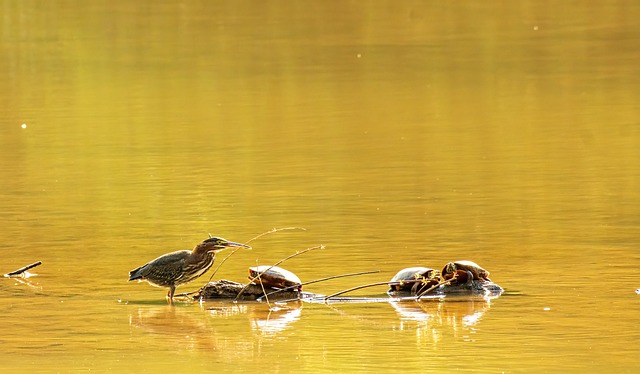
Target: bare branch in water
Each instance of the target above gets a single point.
(360, 287)
(20, 272)
(321, 280)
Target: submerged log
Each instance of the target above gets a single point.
(228, 290)
(225, 289)
(475, 287)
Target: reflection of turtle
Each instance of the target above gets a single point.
(463, 271)
(413, 280)
(273, 276)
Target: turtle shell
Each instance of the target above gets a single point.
(466, 265)
(409, 277)
(273, 276)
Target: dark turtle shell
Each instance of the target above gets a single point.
(273, 276)
(409, 277)
(462, 267)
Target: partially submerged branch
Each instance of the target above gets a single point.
(22, 272)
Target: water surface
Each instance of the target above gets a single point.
(398, 134)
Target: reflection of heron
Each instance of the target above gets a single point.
(176, 268)
(175, 326)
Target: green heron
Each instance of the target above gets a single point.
(180, 267)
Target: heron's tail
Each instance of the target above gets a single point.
(135, 274)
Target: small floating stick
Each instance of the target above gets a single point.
(20, 272)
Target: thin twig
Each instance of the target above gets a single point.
(433, 288)
(359, 287)
(185, 294)
(321, 280)
(275, 230)
(20, 271)
(287, 300)
(222, 262)
(264, 292)
(276, 264)
(249, 241)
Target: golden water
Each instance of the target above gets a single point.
(399, 134)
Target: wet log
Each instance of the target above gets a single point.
(226, 289)
(475, 287)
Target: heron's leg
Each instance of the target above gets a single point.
(172, 290)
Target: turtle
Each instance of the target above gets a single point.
(413, 279)
(464, 271)
(273, 276)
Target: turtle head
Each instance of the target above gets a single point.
(424, 275)
(449, 268)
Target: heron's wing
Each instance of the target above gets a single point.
(164, 269)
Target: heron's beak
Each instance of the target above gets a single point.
(234, 244)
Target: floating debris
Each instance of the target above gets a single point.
(22, 272)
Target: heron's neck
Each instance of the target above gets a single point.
(199, 254)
